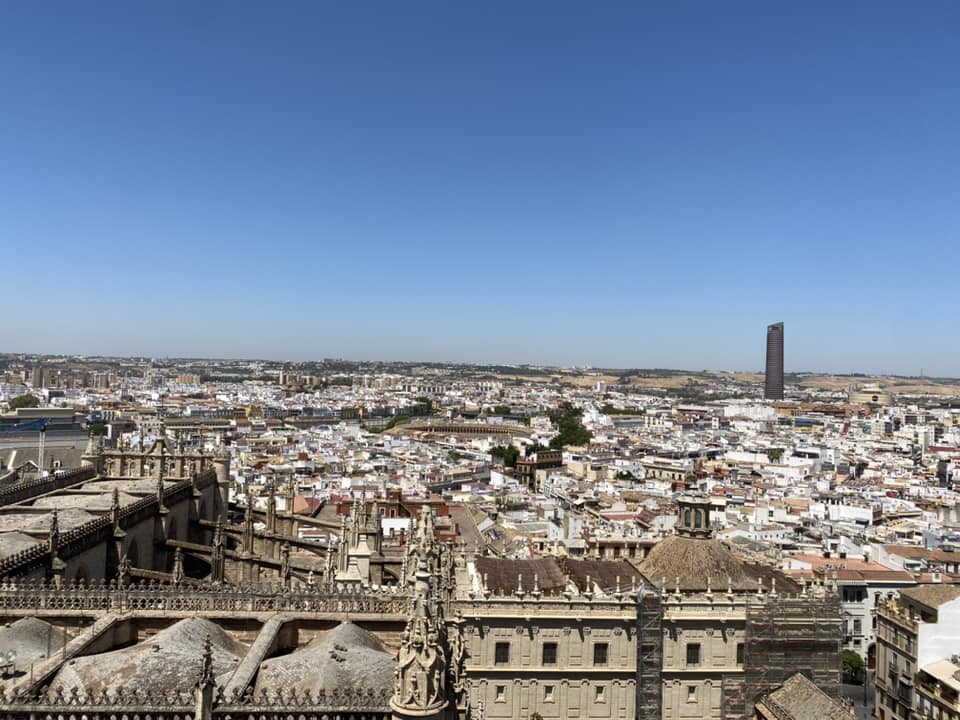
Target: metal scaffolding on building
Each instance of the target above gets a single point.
(784, 636)
(649, 655)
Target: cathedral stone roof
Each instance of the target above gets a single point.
(133, 486)
(693, 560)
(38, 523)
(83, 500)
(168, 662)
(13, 542)
(348, 657)
(32, 639)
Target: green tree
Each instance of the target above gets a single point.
(24, 401)
(501, 410)
(572, 432)
(97, 428)
(853, 665)
(775, 454)
(506, 454)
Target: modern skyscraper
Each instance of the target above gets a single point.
(773, 389)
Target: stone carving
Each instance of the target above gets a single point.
(420, 680)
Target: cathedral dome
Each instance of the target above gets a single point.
(349, 657)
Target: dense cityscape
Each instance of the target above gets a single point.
(394, 540)
(479, 361)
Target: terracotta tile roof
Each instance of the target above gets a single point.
(800, 699)
(932, 595)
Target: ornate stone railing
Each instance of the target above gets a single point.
(24, 597)
(348, 701)
(26, 489)
(132, 703)
(24, 559)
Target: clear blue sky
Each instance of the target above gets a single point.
(617, 184)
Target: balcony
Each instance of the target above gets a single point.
(934, 690)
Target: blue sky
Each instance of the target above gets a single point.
(617, 184)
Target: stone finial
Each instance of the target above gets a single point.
(420, 678)
(54, 532)
(206, 669)
(285, 562)
(178, 573)
(123, 571)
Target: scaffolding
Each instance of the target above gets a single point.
(649, 655)
(784, 636)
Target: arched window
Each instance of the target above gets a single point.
(686, 517)
(699, 518)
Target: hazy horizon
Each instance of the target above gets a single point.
(501, 363)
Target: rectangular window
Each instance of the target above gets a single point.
(502, 656)
(599, 694)
(691, 693)
(501, 693)
(600, 654)
(693, 653)
(739, 653)
(550, 653)
(548, 693)
(857, 626)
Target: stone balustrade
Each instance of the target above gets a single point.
(339, 704)
(19, 597)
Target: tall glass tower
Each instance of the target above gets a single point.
(773, 388)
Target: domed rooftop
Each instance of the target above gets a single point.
(349, 657)
(32, 639)
(690, 561)
(693, 560)
(169, 661)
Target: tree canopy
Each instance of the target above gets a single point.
(572, 432)
(507, 454)
(853, 665)
(24, 401)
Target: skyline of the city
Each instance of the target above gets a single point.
(631, 186)
(759, 371)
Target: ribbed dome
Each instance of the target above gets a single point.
(693, 560)
(168, 662)
(349, 657)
